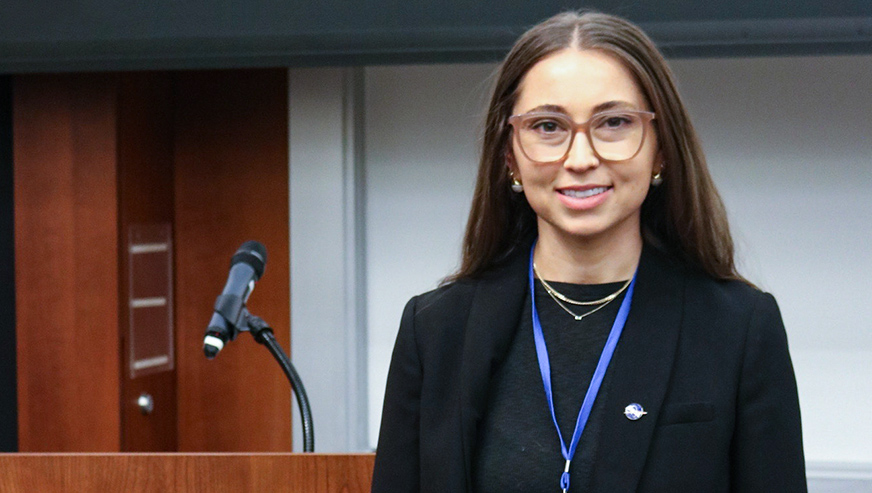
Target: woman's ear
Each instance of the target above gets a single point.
(510, 162)
(659, 163)
(657, 171)
(514, 175)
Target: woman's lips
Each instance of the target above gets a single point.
(583, 198)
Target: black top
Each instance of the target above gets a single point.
(518, 448)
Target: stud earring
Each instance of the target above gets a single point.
(517, 186)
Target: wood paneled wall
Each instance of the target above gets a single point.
(231, 185)
(93, 154)
(66, 258)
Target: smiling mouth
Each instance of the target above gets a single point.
(583, 194)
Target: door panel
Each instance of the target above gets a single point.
(66, 262)
(145, 186)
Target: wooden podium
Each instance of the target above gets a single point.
(184, 472)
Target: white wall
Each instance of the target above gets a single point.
(790, 145)
(421, 127)
(327, 312)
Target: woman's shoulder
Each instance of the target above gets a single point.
(701, 287)
(731, 294)
(437, 318)
(449, 297)
(719, 307)
(733, 305)
(731, 315)
(457, 295)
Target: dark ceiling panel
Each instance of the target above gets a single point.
(38, 35)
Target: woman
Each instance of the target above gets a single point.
(597, 336)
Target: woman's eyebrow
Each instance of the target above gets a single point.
(606, 106)
(551, 108)
(611, 105)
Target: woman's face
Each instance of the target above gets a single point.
(582, 196)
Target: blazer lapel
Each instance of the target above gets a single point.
(641, 369)
(493, 318)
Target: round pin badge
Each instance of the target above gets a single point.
(634, 411)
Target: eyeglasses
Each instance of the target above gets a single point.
(546, 137)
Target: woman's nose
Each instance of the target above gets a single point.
(581, 156)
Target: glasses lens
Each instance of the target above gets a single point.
(544, 138)
(617, 136)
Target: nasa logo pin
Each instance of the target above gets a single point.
(634, 411)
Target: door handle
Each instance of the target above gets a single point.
(145, 403)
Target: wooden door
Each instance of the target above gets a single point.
(145, 195)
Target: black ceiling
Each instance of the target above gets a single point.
(84, 35)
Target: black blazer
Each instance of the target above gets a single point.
(707, 359)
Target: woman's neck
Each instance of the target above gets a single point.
(586, 260)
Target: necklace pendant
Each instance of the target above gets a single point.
(578, 317)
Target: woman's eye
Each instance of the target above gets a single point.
(616, 122)
(546, 126)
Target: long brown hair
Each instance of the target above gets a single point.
(684, 215)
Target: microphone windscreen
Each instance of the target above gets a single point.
(252, 253)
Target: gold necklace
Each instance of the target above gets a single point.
(576, 316)
(556, 294)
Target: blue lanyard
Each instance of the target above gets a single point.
(595, 382)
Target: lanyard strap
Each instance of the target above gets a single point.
(598, 374)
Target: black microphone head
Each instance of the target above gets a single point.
(252, 253)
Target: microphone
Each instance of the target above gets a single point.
(246, 267)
